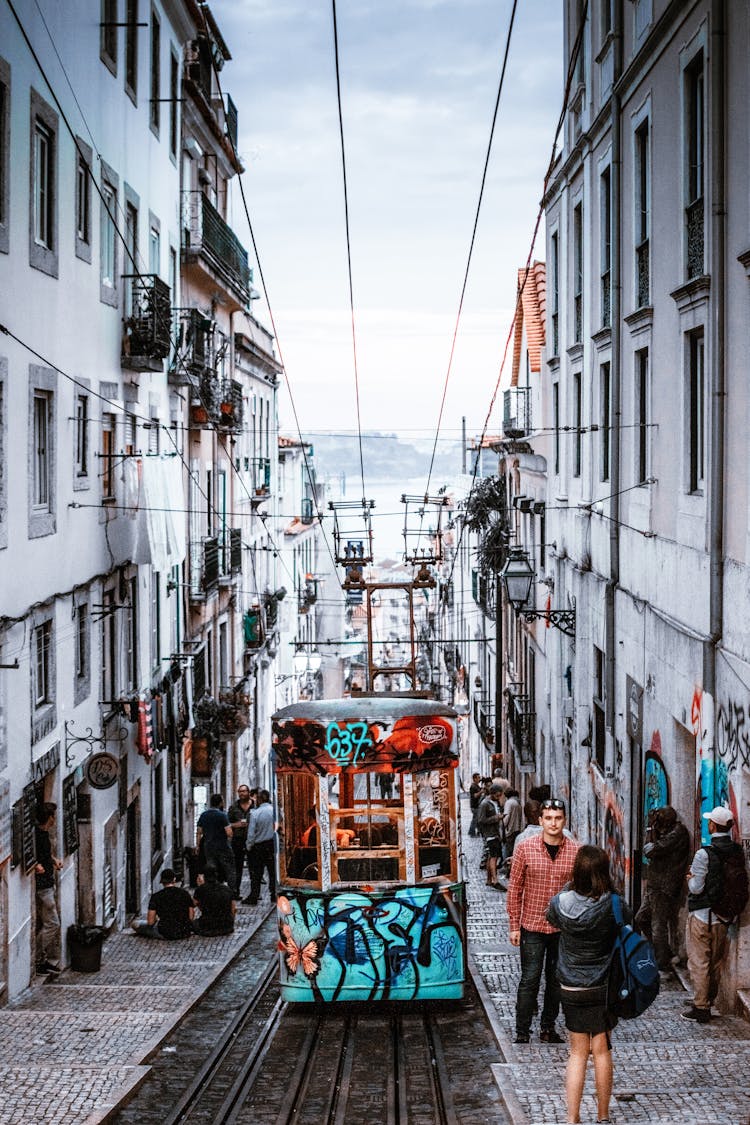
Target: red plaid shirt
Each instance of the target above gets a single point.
(535, 878)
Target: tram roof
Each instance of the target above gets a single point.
(376, 707)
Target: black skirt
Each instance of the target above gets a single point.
(585, 1009)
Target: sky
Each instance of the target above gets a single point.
(419, 80)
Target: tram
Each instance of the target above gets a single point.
(371, 899)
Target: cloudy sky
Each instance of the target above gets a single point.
(419, 82)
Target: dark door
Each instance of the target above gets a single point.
(132, 889)
(637, 798)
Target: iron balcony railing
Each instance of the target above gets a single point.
(694, 219)
(230, 405)
(516, 412)
(484, 719)
(207, 235)
(643, 274)
(146, 337)
(521, 724)
(261, 476)
(204, 566)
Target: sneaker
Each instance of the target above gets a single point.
(549, 1035)
(700, 1015)
(522, 1037)
(250, 901)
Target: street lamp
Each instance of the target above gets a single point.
(517, 577)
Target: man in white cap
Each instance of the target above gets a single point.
(712, 909)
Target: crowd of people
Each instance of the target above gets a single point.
(226, 843)
(561, 918)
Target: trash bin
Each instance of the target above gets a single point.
(85, 947)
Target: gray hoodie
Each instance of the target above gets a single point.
(588, 930)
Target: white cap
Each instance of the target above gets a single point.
(720, 816)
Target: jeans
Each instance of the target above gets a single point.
(48, 927)
(223, 860)
(259, 857)
(240, 855)
(657, 920)
(473, 830)
(538, 951)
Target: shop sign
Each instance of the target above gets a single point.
(47, 763)
(102, 771)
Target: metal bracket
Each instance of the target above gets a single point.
(90, 739)
(562, 619)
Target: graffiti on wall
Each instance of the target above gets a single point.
(733, 734)
(404, 944)
(614, 831)
(655, 779)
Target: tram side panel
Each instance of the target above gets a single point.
(370, 905)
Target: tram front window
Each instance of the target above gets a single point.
(434, 793)
(368, 828)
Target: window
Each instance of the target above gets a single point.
(83, 201)
(642, 215)
(43, 691)
(605, 234)
(108, 457)
(174, 93)
(43, 212)
(577, 423)
(599, 737)
(154, 250)
(82, 656)
(556, 425)
(155, 72)
(4, 155)
(131, 47)
(555, 278)
(153, 435)
(641, 415)
(109, 647)
(695, 171)
(108, 36)
(42, 463)
(108, 248)
(578, 273)
(604, 423)
(131, 434)
(156, 620)
(697, 411)
(82, 435)
(132, 635)
(41, 451)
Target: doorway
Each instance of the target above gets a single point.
(132, 853)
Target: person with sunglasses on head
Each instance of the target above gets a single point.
(542, 865)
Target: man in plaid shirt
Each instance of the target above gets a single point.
(542, 865)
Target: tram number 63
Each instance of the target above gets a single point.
(347, 743)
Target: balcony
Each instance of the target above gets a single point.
(695, 239)
(516, 412)
(204, 567)
(307, 595)
(194, 346)
(642, 274)
(230, 550)
(484, 720)
(521, 725)
(146, 327)
(261, 469)
(208, 238)
(230, 406)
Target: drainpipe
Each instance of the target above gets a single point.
(615, 375)
(718, 352)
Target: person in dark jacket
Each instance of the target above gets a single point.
(216, 904)
(582, 912)
(667, 850)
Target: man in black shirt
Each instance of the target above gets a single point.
(216, 905)
(215, 831)
(47, 917)
(238, 814)
(170, 911)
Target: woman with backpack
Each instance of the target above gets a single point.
(582, 912)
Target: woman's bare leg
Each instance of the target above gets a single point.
(575, 1075)
(600, 1049)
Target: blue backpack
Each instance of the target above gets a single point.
(634, 972)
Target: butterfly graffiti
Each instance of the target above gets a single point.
(308, 955)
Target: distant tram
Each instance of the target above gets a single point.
(371, 899)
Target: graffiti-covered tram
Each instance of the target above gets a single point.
(371, 899)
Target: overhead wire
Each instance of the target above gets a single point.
(348, 246)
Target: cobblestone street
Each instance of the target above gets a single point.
(74, 1047)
